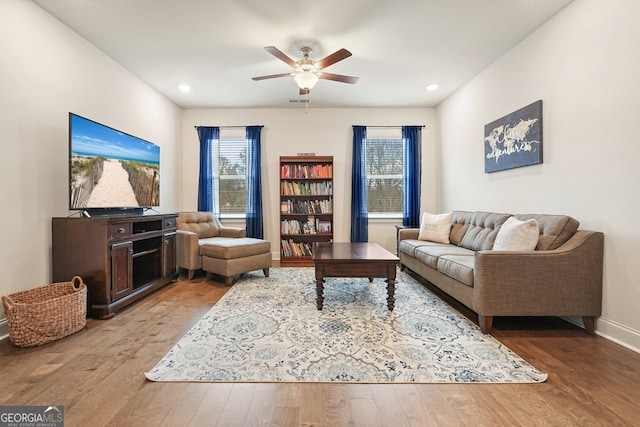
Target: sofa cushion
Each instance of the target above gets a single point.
(459, 226)
(555, 230)
(516, 235)
(459, 267)
(435, 228)
(202, 223)
(235, 248)
(482, 230)
(429, 255)
(409, 246)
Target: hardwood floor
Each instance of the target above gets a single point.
(97, 375)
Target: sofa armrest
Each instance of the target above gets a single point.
(566, 281)
(224, 231)
(408, 233)
(187, 251)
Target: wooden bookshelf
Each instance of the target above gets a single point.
(306, 206)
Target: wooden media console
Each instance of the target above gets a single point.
(120, 258)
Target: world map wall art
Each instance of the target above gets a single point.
(514, 140)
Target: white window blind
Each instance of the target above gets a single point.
(233, 170)
(384, 166)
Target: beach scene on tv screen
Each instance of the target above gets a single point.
(111, 169)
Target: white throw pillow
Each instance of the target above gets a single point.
(435, 228)
(516, 235)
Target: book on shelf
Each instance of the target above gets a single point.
(290, 206)
(323, 226)
(290, 226)
(299, 188)
(291, 248)
(313, 225)
(315, 171)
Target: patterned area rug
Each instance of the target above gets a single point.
(268, 330)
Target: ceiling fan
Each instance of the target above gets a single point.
(306, 72)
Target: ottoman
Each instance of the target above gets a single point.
(231, 257)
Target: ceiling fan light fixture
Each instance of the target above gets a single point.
(306, 79)
(306, 72)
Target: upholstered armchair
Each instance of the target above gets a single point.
(196, 229)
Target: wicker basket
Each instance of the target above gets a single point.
(47, 313)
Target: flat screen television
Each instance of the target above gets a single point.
(111, 171)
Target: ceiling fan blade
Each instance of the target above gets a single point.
(280, 55)
(333, 58)
(339, 78)
(305, 91)
(271, 76)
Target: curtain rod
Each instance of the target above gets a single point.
(422, 126)
(230, 126)
(389, 126)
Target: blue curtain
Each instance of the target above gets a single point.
(208, 181)
(254, 184)
(411, 141)
(359, 215)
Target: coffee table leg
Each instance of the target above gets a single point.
(319, 284)
(319, 291)
(391, 287)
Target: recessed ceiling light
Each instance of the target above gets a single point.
(184, 88)
(432, 86)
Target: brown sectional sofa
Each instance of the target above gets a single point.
(561, 277)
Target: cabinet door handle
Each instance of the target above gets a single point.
(166, 242)
(121, 230)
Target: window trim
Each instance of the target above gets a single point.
(386, 134)
(384, 215)
(231, 136)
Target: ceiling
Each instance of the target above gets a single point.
(216, 46)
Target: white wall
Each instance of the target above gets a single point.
(584, 65)
(46, 70)
(289, 131)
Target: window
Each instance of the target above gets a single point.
(232, 165)
(384, 170)
(375, 186)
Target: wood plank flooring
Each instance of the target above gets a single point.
(97, 375)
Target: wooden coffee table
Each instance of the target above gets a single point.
(368, 260)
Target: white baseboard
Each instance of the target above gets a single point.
(613, 331)
(618, 333)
